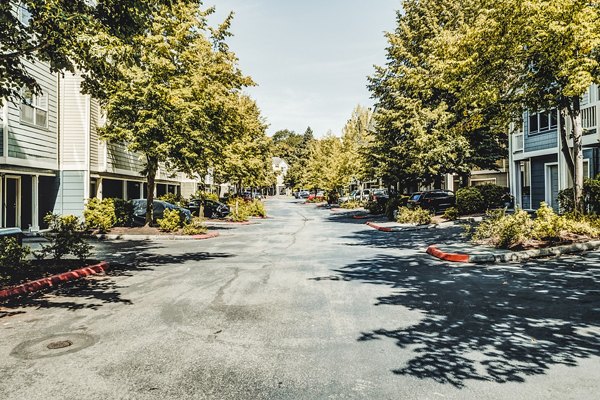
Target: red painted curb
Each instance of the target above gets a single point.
(43, 283)
(434, 251)
(206, 236)
(379, 228)
(360, 216)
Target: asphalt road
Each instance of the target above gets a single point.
(306, 305)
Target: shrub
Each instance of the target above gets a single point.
(414, 216)
(174, 199)
(565, 201)
(195, 227)
(591, 197)
(505, 231)
(469, 200)
(66, 237)
(100, 214)
(256, 208)
(451, 214)
(12, 255)
(392, 205)
(170, 222)
(351, 205)
(123, 212)
(493, 196)
(333, 197)
(238, 212)
(375, 207)
(200, 195)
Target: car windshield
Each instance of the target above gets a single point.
(415, 197)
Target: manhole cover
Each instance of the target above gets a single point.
(61, 344)
(53, 345)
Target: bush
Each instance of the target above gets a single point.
(238, 211)
(256, 208)
(170, 222)
(493, 196)
(174, 199)
(469, 200)
(195, 227)
(392, 205)
(12, 255)
(200, 195)
(375, 207)
(414, 216)
(100, 214)
(66, 237)
(123, 212)
(591, 197)
(351, 205)
(505, 231)
(451, 214)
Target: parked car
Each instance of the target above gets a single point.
(347, 198)
(320, 195)
(303, 194)
(433, 200)
(159, 207)
(212, 209)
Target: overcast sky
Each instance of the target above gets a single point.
(310, 58)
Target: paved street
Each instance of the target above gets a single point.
(308, 305)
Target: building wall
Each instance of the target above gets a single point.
(27, 144)
(539, 141)
(70, 199)
(538, 178)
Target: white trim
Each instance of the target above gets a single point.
(491, 180)
(35, 206)
(20, 162)
(537, 153)
(87, 144)
(5, 132)
(548, 182)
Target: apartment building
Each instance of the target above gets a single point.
(538, 167)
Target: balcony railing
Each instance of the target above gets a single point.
(589, 123)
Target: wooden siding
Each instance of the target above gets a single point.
(70, 200)
(94, 138)
(539, 141)
(538, 179)
(119, 159)
(73, 123)
(35, 144)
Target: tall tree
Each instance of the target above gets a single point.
(294, 177)
(536, 55)
(325, 164)
(181, 103)
(65, 34)
(286, 144)
(356, 138)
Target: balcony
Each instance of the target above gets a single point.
(589, 121)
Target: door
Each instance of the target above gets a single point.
(12, 197)
(553, 186)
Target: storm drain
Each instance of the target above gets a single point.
(61, 344)
(53, 345)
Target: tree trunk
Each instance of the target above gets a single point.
(564, 139)
(575, 114)
(151, 169)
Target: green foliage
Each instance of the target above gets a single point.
(238, 212)
(352, 204)
(469, 200)
(417, 216)
(493, 196)
(451, 214)
(66, 236)
(173, 198)
(100, 214)
(13, 256)
(375, 207)
(200, 195)
(171, 221)
(591, 198)
(123, 212)
(393, 204)
(256, 208)
(195, 227)
(516, 230)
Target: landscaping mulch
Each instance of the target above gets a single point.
(38, 269)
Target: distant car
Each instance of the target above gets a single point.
(212, 209)
(320, 195)
(303, 194)
(159, 207)
(347, 198)
(432, 200)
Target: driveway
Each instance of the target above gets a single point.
(307, 305)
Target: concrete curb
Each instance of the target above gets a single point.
(513, 257)
(34, 286)
(209, 235)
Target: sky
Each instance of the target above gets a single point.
(309, 58)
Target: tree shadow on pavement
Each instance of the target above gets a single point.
(125, 259)
(498, 324)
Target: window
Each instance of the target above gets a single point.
(34, 109)
(586, 169)
(23, 14)
(542, 122)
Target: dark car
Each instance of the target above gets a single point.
(159, 207)
(432, 200)
(212, 209)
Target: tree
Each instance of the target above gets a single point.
(66, 34)
(536, 55)
(325, 165)
(356, 138)
(181, 103)
(294, 177)
(246, 161)
(286, 144)
(422, 130)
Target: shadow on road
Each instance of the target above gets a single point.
(125, 258)
(495, 324)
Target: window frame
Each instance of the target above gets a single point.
(34, 104)
(551, 124)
